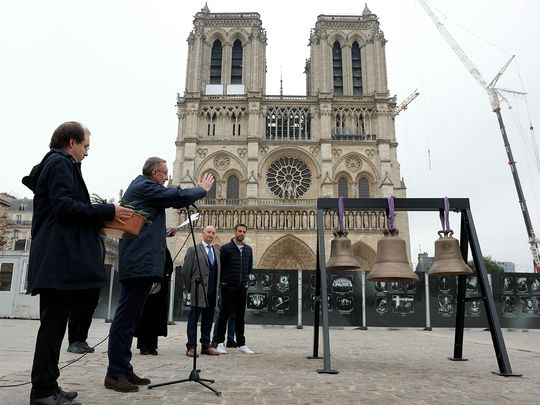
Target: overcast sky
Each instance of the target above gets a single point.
(116, 66)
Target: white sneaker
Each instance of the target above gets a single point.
(221, 348)
(245, 349)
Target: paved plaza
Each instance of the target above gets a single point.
(376, 366)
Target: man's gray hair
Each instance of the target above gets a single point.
(151, 164)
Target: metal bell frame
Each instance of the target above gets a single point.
(468, 237)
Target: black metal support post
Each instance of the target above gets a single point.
(321, 266)
(462, 284)
(317, 306)
(494, 325)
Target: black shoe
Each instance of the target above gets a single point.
(71, 395)
(55, 399)
(86, 348)
(153, 352)
(231, 343)
(144, 352)
(76, 348)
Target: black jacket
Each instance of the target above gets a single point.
(66, 250)
(235, 264)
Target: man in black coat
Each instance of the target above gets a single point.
(236, 265)
(141, 262)
(65, 256)
(153, 320)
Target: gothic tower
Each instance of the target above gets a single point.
(274, 155)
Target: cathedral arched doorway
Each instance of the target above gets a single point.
(288, 252)
(364, 254)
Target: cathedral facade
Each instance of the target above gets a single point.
(274, 155)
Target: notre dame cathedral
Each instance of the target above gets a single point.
(274, 155)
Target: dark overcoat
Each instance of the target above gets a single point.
(144, 255)
(190, 273)
(153, 319)
(66, 252)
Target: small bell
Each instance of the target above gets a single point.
(448, 260)
(391, 263)
(341, 256)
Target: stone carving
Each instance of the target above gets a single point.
(222, 161)
(337, 152)
(370, 153)
(202, 152)
(353, 164)
(242, 152)
(314, 150)
(288, 177)
(263, 149)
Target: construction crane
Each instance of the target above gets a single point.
(494, 97)
(405, 103)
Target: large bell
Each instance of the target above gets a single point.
(341, 257)
(391, 263)
(448, 260)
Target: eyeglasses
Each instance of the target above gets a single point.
(161, 171)
(86, 147)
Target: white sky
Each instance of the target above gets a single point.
(116, 66)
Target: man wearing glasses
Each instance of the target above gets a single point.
(66, 259)
(141, 263)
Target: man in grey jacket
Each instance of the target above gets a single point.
(201, 274)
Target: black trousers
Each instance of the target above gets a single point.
(81, 314)
(233, 300)
(54, 309)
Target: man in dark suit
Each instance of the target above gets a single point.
(141, 263)
(66, 258)
(201, 272)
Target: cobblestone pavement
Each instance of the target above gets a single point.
(376, 366)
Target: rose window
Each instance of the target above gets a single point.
(288, 177)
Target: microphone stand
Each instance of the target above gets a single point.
(194, 375)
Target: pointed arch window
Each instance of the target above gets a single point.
(338, 69)
(236, 65)
(215, 62)
(235, 119)
(363, 188)
(360, 130)
(340, 124)
(233, 188)
(211, 119)
(211, 194)
(343, 187)
(356, 69)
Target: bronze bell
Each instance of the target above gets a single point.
(391, 263)
(341, 257)
(448, 260)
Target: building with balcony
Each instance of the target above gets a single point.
(19, 224)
